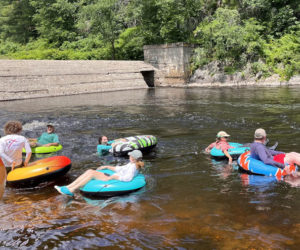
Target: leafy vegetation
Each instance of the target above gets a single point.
(236, 33)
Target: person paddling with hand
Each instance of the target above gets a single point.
(222, 144)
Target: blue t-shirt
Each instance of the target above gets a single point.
(103, 149)
(46, 138)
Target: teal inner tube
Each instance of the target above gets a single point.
(234, 152)
(98, 189)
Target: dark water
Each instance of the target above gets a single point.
(189, 201)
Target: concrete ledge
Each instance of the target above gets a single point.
(22, 79)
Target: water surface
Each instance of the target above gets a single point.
(189, 201)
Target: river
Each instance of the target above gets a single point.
(190, 201)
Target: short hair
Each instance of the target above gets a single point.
(12, 127)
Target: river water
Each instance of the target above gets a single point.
(189, 201)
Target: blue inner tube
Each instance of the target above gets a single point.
(253, 166)
(234, 152)
(97, 188)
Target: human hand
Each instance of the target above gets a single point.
(13, 165)
(230, 161)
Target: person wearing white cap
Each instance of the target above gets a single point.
(122, 173)
(271, 157)
(222, 144)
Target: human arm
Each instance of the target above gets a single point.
(228, 156)
(274, 152)
(51, 144)
(101, 148)
(112, 168)
(267, 159)
(28, 153)
(207, 150)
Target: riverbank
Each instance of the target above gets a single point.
(26, 79)
(273, 81)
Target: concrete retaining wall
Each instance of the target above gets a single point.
(172, 61)
(22, 79)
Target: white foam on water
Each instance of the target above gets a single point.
(33, 125)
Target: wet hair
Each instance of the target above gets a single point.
(100, 139)
(12, 127)
(139, 164)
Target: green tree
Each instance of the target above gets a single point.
(16, 22)
(279, 16)
(55, 20)
(228, 39)
(103, 17)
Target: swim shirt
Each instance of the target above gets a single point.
(222, 145)
(46, 138)
(127, 172)
(260, 152)
(11, 149)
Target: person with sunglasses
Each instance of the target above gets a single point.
(222, 144)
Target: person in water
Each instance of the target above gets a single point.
(222, 144)
(47, 139)
(271, 157)
(105, 145)
(122, 173)
(12, 144)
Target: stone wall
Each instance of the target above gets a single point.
(171, 60)
(21, 79)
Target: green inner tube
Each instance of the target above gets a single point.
(45, 150)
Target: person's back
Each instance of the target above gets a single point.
(260, 152)
(12, 144)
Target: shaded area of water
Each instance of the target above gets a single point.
(189, 201)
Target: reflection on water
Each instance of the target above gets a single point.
(189, 201)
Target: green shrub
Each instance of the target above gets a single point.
(283, 55)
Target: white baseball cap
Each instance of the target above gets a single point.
(136, 154)
(260, 133)
(222, 134)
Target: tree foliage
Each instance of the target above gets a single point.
(234, 32)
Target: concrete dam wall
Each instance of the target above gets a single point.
(22, 79)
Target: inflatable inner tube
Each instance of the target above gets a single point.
(39, 171)
(45, 150)
(140, 142)
(98, 189)
(253, 166)
(234, 152)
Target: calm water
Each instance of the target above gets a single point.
(189, 200)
